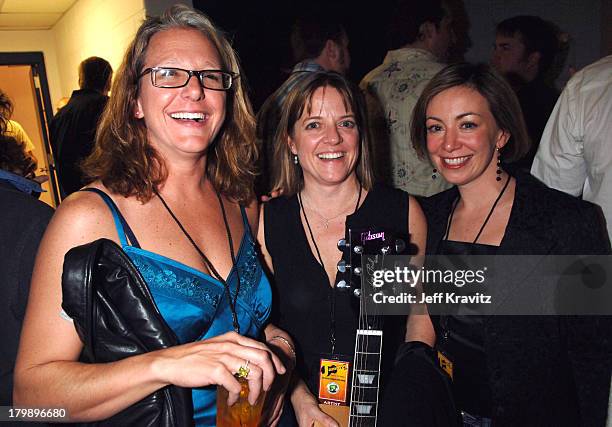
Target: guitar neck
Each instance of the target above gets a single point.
(366, 378)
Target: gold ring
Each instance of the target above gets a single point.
(243, 371)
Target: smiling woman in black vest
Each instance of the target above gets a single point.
(528, 370)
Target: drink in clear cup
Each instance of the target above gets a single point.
(241, 413)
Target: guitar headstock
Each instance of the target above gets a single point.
(362, 242)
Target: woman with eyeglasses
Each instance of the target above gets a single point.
(171, 182)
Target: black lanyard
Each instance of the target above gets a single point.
(332, 309)
(450, 218)
(445, 318)
(213, 270)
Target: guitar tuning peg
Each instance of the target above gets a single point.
(357, 292)
(342, 285)
(357, 271)
(342, 244)
(342, 266)
(400, 246)
(358, 249)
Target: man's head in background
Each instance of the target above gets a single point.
(422, 24)
(525, 48)
(96, 74)
(323, 39)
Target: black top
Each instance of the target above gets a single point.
(72, 131)
(23, 220)
(301, 288)
(461, 338)
(543, 370)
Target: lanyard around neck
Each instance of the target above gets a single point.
(450, 219)
(332, 332)
(211, 267)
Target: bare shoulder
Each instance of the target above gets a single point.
(82, 217)
(417, 224)
(416, 214)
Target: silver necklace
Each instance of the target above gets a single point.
(326, 221)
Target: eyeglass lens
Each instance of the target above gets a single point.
(174, 77)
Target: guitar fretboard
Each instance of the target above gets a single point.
(366, 378)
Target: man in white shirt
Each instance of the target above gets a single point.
(575, 153)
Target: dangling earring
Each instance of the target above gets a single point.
(434, 175)
(498, 171)
(296, 161)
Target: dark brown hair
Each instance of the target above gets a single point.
(288, 176)
(6, 110)
(126, 162)
(15, 159)
(95, 73)
(503, 104)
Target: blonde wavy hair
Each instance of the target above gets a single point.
(125, 161)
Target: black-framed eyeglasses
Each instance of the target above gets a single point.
(169, 77)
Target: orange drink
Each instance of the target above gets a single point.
(241, 413)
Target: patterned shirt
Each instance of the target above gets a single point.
(392, 90)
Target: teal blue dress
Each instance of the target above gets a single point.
(194, 304)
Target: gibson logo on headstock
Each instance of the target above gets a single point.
(365, 237)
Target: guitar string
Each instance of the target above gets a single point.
(363, 347)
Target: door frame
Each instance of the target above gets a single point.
(36, 60)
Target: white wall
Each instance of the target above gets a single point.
(94, 28)
(89, 28)
(36, 41)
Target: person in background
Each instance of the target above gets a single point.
(574, 152)
(319, 43)
(73, 129)
(420, 38)
(524, 52)
(12, 128)
(23, 220)
(172, 175)
(464, 118)
(324, 174)
(61, 104)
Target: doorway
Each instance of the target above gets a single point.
(23, 79)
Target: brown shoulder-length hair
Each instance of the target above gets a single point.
(502, 101)
(287, 176)
(126, 162)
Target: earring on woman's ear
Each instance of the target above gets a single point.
(296, 161)
(434, 175)
(498, 171)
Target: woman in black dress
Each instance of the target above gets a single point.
(323, 170)
(508, 370)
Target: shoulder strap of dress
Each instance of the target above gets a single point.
(245, 220)
(123, 229)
